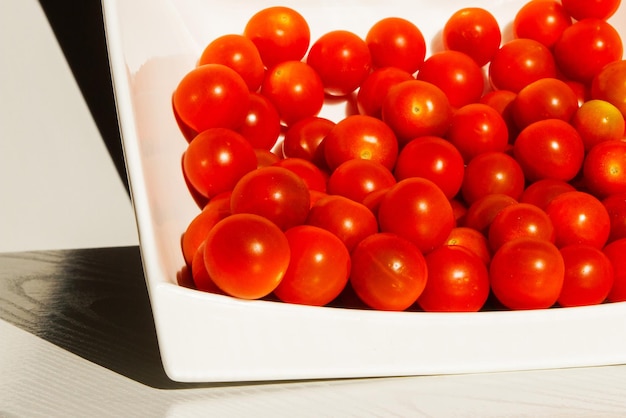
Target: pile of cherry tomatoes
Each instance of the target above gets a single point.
(488, 174)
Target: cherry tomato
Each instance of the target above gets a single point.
(492, 172)
(502, 101)
(547, 98)
(541, 20)
(458, 281)
(597, 121)
(265, 157)
(519, 62)
(279, 33)
(357, 178)
(295, 89)
(615, 205)
(435, 159)
(473, 31)
(477, 128)
(376, 86)
(216, 159)
(360, 136)
(480, 214)
(588, 276)
(312, 175)
(456, 74)
(416, 108)
(615, 252)
(319, 267)
(582, 9)
(200, 276)
(275, 193)
(604, 168)
(579, 218)
(262, 124)
(541, 192)
(240, 54)
(342, 60)
(246, 255)
(610, 84)
(303, 139)
(351, 221)
(527, 273)
(517, 221)
(416, 209)
(396, 42)
(211, 96)
(549, 148)
(586, 47)
(388, 272)
(472, 240)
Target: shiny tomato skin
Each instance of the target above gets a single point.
(472, 240)
(357, 178)
(458, 281)
(388, 272)
(599, 9)
(541, 20)
(375, 87)
(502, 101)
(303, 139)
(610, 84)
(518, 221)
(279, 33)
(456, 74)
(589, 276)
(211, 96)
(477, 128)
(480, 214)
(312, 175)
(519, 62)
(295, 89)
(604, 168)
(547, 98)
(261, 126)
(416, 108)
(360, 136)
(246, 255)
(396, 42)
(275, 193)
(432, 158)
(597, 121)
(615, 205)
(216, 159)
(490, 173)
(579, 218)
(416, 209)
(527, 273)
(342, 60)
(473, 31)
(319, 267)
(541, 192)
(549, 148)
(239, 53)
(615, 252)
(200, 276)
(586, 47)
(351, 221)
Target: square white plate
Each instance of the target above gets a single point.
(212, 338)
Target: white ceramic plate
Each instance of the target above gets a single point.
(213, 338)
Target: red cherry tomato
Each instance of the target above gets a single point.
(604, 168)
(435, 159)
(416, 108)
(262, 124)
(211, 96)
(517, 221)
(357, 178)
(318, 269)
(588, 276)
(279, 33)
(583, 9)
(597, 121)
(502, 101)
(312, 175)
(579, 218)
(246, 255)
(303, 139)
(240, 54)
(456, 74)
(541, 20)
(519, 62)
(615, 252)
(547, 98)
(492, 172)
(541, 192)
(351, 221)
(458, 281)
(609, 85)
(549, 148)
(527, 273)
(480, 214)
(615, 205)
(586, 47)
(472, 240)
(360, 136)
(388, 272)
(275, 193)
(200, 276)
(342, 60)
(473, 31)
(216, 159)
(375, 87)
(416, 209)
(396, 42)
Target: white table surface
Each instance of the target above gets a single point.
(59, 190)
